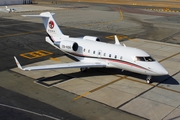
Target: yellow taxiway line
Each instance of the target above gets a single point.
(31, 32)
(55, 59)
(169, 57)
(100, 87)
(172, 90)
(23, 33)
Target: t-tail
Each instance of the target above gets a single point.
(50, 25)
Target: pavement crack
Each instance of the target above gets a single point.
(170, 37)
(170, 113)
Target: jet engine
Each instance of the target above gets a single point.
(91, 38)
(69, 46)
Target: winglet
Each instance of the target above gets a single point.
(116, 40)
(17, 63)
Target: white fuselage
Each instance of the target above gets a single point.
(115, 56)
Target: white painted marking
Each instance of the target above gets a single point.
(36, 82)
(28, 111)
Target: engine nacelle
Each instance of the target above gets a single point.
(69, 46)
(91, 38)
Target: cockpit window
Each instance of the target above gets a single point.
(140, 59)
(148, 58)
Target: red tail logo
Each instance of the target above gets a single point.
(51, 24)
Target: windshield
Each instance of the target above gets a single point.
(147, 59)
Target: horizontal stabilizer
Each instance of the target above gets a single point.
(50, 24)
(40, 16)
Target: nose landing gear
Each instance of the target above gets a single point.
(148, 79)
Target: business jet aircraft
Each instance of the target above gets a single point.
(91, 53)
(10, 9)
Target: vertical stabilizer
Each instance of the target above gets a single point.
(49, 23)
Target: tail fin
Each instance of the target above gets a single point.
(49, 23)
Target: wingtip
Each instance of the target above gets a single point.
(17, 63)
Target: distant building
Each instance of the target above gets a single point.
(15, 2)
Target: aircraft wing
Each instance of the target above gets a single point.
(60, 66)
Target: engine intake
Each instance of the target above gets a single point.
(91, 38)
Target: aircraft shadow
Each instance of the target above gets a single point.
(170, 81)
(105, 71)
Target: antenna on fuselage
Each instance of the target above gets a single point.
(124, 45)
(116, 40)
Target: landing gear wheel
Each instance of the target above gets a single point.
(148, 79)
(83, 69)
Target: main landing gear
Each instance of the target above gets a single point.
(148, 79)
(83, 69)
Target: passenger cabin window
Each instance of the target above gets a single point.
(115, 56)
(148, 59)
(99, 53)
(88, 51)
(94, 52)
(104, 54)
(109, 55)
(84, 50)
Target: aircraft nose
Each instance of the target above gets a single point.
(162, 71)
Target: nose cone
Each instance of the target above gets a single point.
(160, 70)
(163, 72)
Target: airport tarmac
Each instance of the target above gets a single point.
(97, 93)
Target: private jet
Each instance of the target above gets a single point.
(90, 52)
(10, 9)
